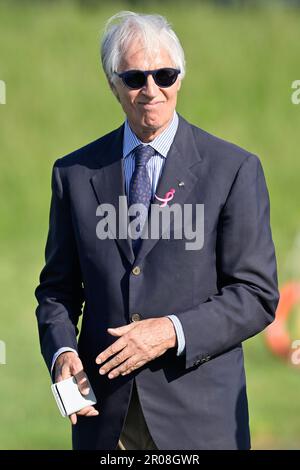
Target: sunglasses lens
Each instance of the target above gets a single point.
(134, 79)
(166, 77)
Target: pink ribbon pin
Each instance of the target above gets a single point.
(168, 197)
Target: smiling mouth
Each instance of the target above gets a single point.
(151, 105)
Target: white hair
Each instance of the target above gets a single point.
(154, 31)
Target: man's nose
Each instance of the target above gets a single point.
(150, 88)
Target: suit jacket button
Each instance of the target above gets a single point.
(135, 317)
(136, 270)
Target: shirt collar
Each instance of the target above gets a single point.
(161, 143)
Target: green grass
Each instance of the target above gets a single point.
(240, 66)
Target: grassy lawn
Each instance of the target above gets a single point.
(240, 66)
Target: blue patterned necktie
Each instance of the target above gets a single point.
(140, 190)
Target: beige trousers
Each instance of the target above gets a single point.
(135, 434)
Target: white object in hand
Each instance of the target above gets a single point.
(68, 397)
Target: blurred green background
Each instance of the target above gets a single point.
(241, 62)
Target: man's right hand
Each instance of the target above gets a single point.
(68, 365)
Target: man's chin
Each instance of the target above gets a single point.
(152, 124)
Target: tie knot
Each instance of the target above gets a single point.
(143, 153)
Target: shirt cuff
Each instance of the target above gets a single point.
(58, 353)
(179, 332)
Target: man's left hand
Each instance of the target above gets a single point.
(138, 343)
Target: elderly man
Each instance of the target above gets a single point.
(162, 324)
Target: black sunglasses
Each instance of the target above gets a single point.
(136, 79)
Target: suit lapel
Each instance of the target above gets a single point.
(108, 183)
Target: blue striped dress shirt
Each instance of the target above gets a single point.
(161, 145)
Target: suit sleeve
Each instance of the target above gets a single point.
(247, 294)
(60, 292)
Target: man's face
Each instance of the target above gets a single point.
(149, 109)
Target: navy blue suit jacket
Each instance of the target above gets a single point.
(223, 294)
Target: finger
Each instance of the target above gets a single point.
(121, 330)
(76, 366)
(82, 382)
(88, 411)
(130, 365)
(92, 413)
(116, 361)
(80, 376)
(111, 350)
(73, 419)
(131, 369)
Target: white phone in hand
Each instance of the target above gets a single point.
(68, 397)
